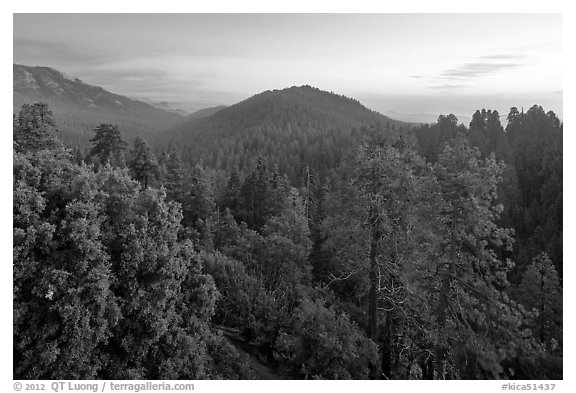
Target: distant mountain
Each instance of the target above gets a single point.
(165, 106)
(79, 107)
(293, 127)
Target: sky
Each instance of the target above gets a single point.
(408, 66)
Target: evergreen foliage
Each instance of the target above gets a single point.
(107, 146)
(425, 254)
(142, 163)
(34, 128)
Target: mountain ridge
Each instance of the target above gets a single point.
(79, 107)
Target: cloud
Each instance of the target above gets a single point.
(482, 66)
(472, 70)
(504, 56)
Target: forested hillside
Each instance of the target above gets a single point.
(342, 245)
(531, 188)
(293, 128)
(79, 107)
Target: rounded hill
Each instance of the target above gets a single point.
(292, 128)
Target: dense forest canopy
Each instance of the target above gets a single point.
(365, 249)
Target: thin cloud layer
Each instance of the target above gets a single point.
(466, 75)
(504, 56)
(473, 70)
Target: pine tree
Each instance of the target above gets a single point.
(262, 195)
(174, 177)
(34, 128)
(536, 141)
(371, 245)
(387, 178)
(231, 198)
(540, 290)
(142, 163)
(107, 146)
(198, 202)
(470, 301)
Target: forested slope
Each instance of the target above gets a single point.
(424, 254)
(293, 128)
(79, 107)
(531, 188)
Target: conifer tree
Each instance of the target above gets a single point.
(142, 163)
(107, 146)
(470, 301)
(540, 290)
(231, 198)
(34, 128)
(174, 177)
(198, 202)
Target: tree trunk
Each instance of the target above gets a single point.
(427, 369)
(373, 295)
(387, 346)
(389, 326)
(441, 360)
(446, 283)
(443, 303)
(373, 308)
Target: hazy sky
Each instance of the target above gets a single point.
(411, 66)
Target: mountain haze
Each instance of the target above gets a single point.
(165, 106)
(79, 107)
